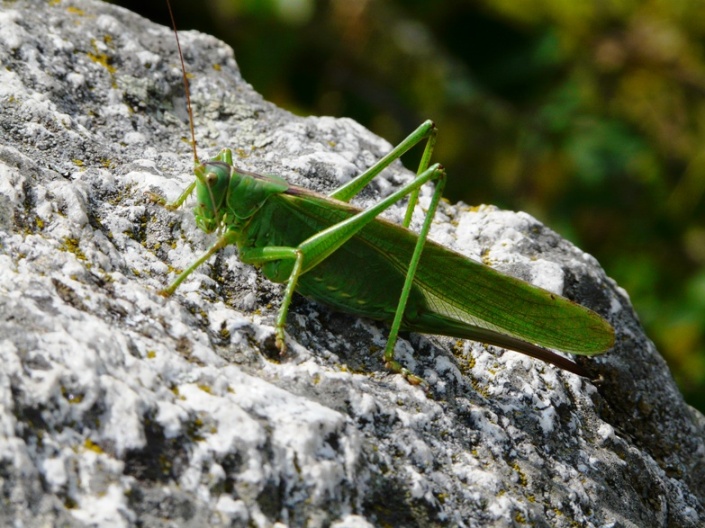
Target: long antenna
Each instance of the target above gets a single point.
(188, 92)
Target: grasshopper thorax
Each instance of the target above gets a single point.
(227, 196)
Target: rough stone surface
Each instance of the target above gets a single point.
(120, 407)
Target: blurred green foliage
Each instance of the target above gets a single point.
(589, 115)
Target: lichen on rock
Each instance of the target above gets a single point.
(120, 407)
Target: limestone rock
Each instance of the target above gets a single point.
(120, 407)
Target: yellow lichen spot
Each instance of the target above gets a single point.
(205, 388)
(216, 67)
(471, 362)
(520, 518)
(480, 389)
(193, 430)
(75, 10)
(151, 354)
(102, 59)
(92, 446)
(70, 396)
(71, 245)
(522, 477)
(78, 162)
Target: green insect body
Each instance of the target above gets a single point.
(355, 262)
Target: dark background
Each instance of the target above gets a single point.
(588, 115)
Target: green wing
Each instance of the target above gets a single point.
(463, 290)
(464, 298)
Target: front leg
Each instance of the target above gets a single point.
(260, 256)
(228, 238)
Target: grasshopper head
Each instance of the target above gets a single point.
(212, 181)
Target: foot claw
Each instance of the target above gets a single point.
(280, 343)
(413, 379)
(160, 200)
(156, 198)
(166, 292)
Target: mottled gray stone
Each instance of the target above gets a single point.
(120, 407)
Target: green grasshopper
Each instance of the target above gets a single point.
(351, 260)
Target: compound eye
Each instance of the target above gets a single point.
(211, 179)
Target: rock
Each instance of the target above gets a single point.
(120, 407)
